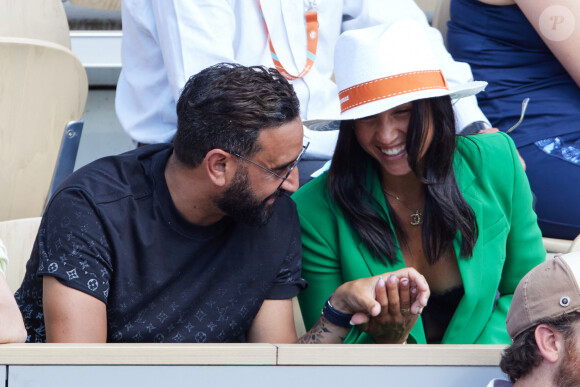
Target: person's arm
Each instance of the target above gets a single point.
(11, 325)
(558, 24)
(72, 316)
(524, 247)
(274, 323)
(75, 268)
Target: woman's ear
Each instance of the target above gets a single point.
(219, 166)
(550, 342)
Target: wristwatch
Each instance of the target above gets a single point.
(335, 316)
(475, 127)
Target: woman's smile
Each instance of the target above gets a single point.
(394, 153)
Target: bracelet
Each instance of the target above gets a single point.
(335, 316)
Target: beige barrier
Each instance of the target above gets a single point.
(148, 365)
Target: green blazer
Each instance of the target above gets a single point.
(491, 178)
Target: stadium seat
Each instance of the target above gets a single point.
(112, 5)
(35, 19)
(44, 88)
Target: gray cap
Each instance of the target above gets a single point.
(548, 291)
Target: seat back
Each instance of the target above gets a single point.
(575, 246)
(35, 19)
(43, 87)
(428, 7)
(18, 236)
(111, 5)
(556, 246)
(441, 16)
(298, 320)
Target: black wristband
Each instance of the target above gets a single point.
(335, 316)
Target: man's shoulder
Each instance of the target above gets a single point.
(284, 212)
(115, 177)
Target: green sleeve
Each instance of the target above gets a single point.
(321, 265)
(524, 249)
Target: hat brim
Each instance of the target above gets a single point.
(381, 105)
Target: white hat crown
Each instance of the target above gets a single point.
(381, 67)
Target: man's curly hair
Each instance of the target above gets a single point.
(226, 105)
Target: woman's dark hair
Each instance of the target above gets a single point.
(446, 212)
(523, 355)
(226, 105)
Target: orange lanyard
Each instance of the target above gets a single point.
(312, 44)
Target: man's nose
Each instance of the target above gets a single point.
(292, 183)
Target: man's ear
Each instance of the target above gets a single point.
(550, 342)
(219, 166)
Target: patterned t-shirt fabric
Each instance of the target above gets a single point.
(112, 231)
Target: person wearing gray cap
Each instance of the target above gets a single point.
(543, 323)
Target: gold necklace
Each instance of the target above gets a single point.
(416, 216)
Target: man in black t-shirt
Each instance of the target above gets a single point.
(196, 241)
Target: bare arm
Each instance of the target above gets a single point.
(11, 324)
(72, 316)
(558, 24)
(274, 323)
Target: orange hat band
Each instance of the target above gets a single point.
(390, 86)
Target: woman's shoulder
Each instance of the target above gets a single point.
(314, 189)
(486, 147)
(313, 197)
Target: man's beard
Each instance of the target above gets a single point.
(239, 202)
(568, 373)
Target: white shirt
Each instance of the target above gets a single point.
(3, 258)
(167, 41)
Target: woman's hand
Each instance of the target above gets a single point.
(387, 310)
(401, 304)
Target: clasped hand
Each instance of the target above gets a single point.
(386, 306)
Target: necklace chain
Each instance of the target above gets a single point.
(416, 216)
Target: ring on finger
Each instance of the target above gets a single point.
(405, 310)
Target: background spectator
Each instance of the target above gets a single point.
(543, 323)
(11, 324)
(529, 49)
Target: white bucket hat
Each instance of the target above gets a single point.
(381, 67)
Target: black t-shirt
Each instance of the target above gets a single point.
(112, 231)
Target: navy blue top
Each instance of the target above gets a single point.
(503, 49)
(112, 231)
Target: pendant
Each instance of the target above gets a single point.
(416, 218)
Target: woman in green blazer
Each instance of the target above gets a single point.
(404, 191)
